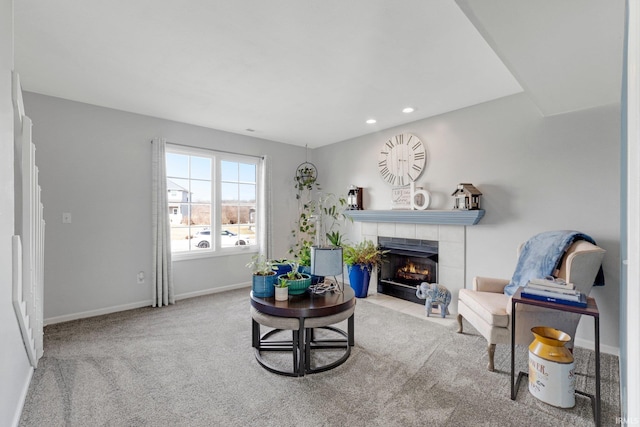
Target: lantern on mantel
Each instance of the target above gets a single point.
(466, 197)
(354, 198)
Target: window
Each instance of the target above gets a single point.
(212, 201)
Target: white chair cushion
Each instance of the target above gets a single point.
(489, 306)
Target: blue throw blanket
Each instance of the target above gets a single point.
(541, 256)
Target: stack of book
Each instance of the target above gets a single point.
(556, 291)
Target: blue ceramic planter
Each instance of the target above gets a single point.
(359, 279)
(281, 268)
(262, 286)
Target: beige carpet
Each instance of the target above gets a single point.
(192, 364)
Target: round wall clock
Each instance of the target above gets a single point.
(402, 159)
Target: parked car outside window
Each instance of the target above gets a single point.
(202, 239)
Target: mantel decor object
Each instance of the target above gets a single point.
(410, 197)
(466, 197)
(354, 198)
(401, 159)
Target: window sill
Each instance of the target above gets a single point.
(240, 250)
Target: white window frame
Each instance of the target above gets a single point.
(216, 204)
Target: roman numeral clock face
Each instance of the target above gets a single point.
(402, 159)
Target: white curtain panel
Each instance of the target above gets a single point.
(161, 275)
(264, 209)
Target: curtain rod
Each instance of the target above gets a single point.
(217, 151)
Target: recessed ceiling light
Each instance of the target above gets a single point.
(371, 121)
(408, 110)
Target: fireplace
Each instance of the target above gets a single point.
(409, 262)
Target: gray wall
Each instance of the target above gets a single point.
(536, 174)
(15, 370)
(96, 164)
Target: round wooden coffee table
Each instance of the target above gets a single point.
(311, 312)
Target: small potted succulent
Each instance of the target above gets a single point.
(264, 276)
(281, 289)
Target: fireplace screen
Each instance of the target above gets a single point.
(409, 262)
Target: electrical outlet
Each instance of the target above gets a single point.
(140, 277)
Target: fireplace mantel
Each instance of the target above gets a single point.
(440, 217)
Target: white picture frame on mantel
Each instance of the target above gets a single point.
(400, 198)
(410, 198)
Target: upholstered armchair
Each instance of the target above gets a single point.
(488, 309)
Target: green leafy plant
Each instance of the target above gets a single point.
(306, 178)
(304, 232)
(319, 222)
(366, 254)
(331, 217)
(304, 255)
(335, 238)
(282, 283)
(294, 274)
(261, 266)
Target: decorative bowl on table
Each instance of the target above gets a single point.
(297, 286)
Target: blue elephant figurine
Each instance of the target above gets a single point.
(434, 294)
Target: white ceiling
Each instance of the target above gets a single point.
(311, 72)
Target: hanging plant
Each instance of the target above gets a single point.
(306, 176)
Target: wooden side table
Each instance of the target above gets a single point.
(590, 310)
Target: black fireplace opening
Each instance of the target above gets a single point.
(408, 263)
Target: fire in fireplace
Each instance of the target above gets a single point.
(409, 263)
(414, 273)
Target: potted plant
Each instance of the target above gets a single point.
(329, 213)
(281, 265)
(281, 289)
(326, 253)
(306, 176)
(361, 259)
(295, 281)
(317, 234)
(264, 276)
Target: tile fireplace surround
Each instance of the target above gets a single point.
(451, 249)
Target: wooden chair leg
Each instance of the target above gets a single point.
(459, 323)
(491, 349)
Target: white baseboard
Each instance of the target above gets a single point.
(591, 345)
(98, 312)
(140, 304)
(213, 290)
(23, 397)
